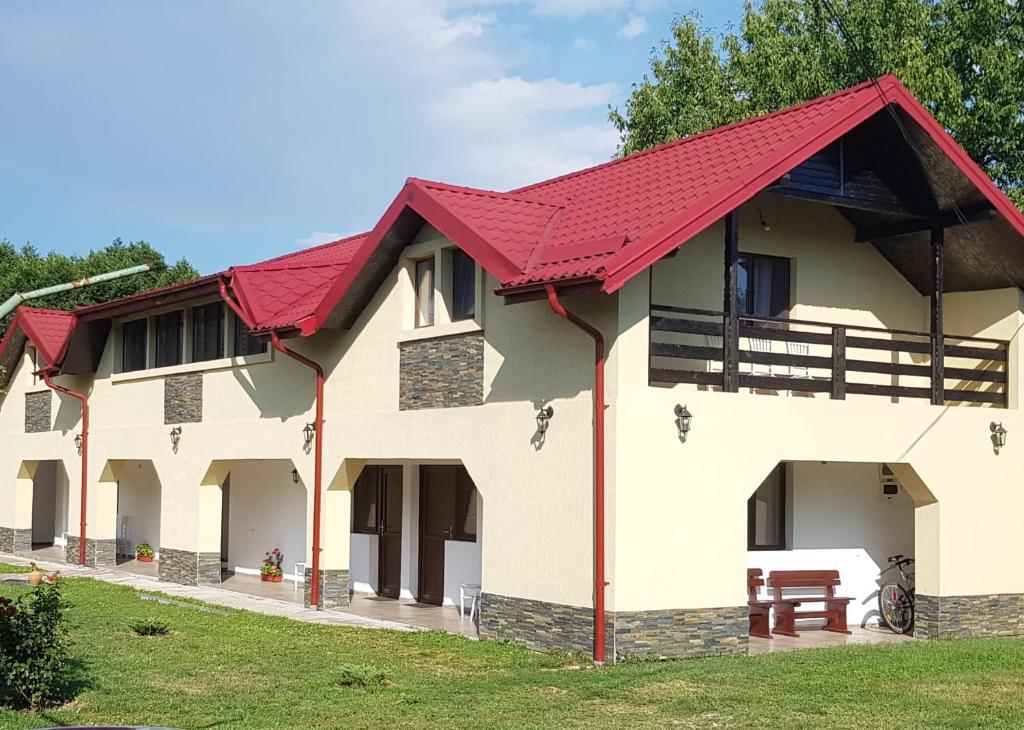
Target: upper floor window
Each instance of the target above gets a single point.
(208, 332)
(425, 292)
(168, 339)
(245, 343)
(463, 270)
(762, 285)
(133, 345)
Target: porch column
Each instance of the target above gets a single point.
(730, 322)
(101, 524)
(334, 550)
(937, 343)
(16, 511)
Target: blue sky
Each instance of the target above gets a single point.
(229, 132)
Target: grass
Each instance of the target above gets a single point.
(5, 568)
(234, 669)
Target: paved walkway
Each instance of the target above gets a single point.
(216, 596)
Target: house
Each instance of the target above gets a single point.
(492, 388)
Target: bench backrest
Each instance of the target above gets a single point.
(754, 582)
(793, 579)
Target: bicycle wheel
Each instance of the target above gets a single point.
(896, 608)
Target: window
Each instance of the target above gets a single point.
(133, 345)
(208, 332)
(463, 285)
(466, 499)
(364, 503)
(766, 513)
(168, 339)
(245, 343)
(425, 292)
(762, 285)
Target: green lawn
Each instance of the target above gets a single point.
(232, 669)
(5, 568)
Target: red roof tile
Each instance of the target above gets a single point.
(47, 329)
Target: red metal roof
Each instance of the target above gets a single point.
(47, 329)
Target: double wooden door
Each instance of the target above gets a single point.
(379, 511)
(448, 511)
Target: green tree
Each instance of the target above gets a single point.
(26, 269)
(962, 58)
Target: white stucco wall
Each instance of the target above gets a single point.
(45, 498)
(838, 519)
(267, 510)
(138, 502)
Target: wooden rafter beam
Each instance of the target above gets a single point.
(947, 219)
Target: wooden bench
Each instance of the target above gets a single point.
(759, 609)
(785, 604)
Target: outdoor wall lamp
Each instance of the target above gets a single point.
(295, 476)
(998, 435)
(308, 433)
(544, 418)
(78, 443)
(683, 421)
(175, 438)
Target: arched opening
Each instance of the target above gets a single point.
(50, 490)
(138, 517)
(809, 518)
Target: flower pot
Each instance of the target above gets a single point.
(266, 578)
(144, 558)
(35, 577)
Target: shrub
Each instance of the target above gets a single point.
(33, 648)
(361, 675)
(150, 627)
(144, 550)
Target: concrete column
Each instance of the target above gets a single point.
(16, 511)
(336, 525)
(190, 526)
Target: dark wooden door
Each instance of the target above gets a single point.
(389, 579)
(437, 507)
(225, 518)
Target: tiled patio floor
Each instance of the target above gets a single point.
(813, 638)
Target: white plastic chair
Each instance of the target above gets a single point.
(300, 574)
(124, 546)
(469, 590)
(715, 341)
(760, 345)
(800, 349)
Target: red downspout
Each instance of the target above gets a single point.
(599, 409)
(318, 424)
(85, 456)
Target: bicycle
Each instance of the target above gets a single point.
(896, 599)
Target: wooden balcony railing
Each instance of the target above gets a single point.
(798, 356)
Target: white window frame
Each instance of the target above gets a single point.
(438, 249)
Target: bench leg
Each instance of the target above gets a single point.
(759, 624)
(836, 621)
(785, 620)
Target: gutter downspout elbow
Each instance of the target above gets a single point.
(599, 475)
(318, 425)
(85, 457)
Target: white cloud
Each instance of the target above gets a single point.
(635, 26)
(513, 131)
(316, 238)
(576, 8)
(583, 44)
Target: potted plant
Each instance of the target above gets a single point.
(144, 553)
(270, 571)
(35, 576)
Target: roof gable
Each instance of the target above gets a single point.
(47, 329)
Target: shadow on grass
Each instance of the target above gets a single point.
(74, 681)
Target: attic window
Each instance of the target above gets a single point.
(425, 292)
(133, 345)
(463, 270)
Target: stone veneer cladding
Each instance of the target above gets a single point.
(15, 539)
(672, 634)
(189, 568)
(183, 398)
(98, 553)
(441, 372)
(38, 406)
(952, 616)
(334, 588)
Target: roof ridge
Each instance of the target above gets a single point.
(701, 135)
(484, 192)
(317, 247)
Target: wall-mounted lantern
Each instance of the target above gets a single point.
(175, 438)
(295, 476)
(78, 443)
(998, 435)
(544, 419)
(309, 433)
(683, 420)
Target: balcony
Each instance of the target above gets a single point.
(803, 358)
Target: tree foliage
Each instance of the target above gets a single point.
(963, 58)
(26, 269)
